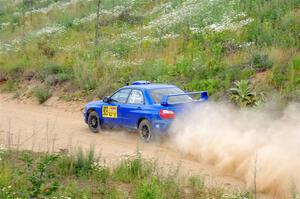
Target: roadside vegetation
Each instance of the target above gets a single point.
(42, 94)
(84, 175)
(198, 45)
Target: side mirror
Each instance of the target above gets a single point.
(106, 99)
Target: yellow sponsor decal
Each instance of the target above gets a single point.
(110, 111)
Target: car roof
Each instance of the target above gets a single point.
(150, 86)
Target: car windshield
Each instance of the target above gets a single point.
(158, 94)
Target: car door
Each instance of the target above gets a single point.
(111, 113)
(133, 109)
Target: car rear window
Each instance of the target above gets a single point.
(158, 94)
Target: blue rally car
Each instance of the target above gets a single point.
(143, 106)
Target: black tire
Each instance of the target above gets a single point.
(145, 130)
(94, 122)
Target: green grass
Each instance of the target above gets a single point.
(132, 169)
(9, 86)
(83, 175)
(131, 49)
(42, 94)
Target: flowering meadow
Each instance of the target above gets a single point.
(197, 44)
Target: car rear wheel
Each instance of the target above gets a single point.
(145, 130)
(94, 122)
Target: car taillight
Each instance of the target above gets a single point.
(166, 114)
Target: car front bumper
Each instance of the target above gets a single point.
(84, 115)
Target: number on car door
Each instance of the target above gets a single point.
(111, 112)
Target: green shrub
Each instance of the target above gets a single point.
(85, 76)
(65, 165)
(52, 80)
(278, 77)
(53, 69)
(100, 173)
(83, 163)
(121, 49)
(63, 77)
(74, 190)
(50, 69)
(40, 175)
(42, 94)
(45, 48)
(157, 71)
(65, 20)
(158, 187)
(106, 88)
(243, 95)
(260, 62)
(182, 67)
(211, 85)
(290, 27)
(54, 74)
(10, 86)
(132, 169)
(149, 189)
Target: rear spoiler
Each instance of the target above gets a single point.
(203, 97)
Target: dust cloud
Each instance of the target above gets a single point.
(260, 147)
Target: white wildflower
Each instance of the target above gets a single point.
(162, 8)
(129, 36)
(170, 36)
(4, 25)
(188, 9)
(54, 6)
(48, 30)
(122, 63)
(195, 30)
(136, 39)
(13, 45)
(227, 24)
(115, 12)
(156, 40)
(69, 48)
(211, 13)
(86, 19)
(247, 44)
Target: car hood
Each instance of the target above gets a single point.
(94, 103)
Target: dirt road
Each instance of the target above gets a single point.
(26, 125)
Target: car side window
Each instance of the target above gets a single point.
(121, 96)
(136, 97)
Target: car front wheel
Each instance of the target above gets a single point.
(145, 130)
(94, 122)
